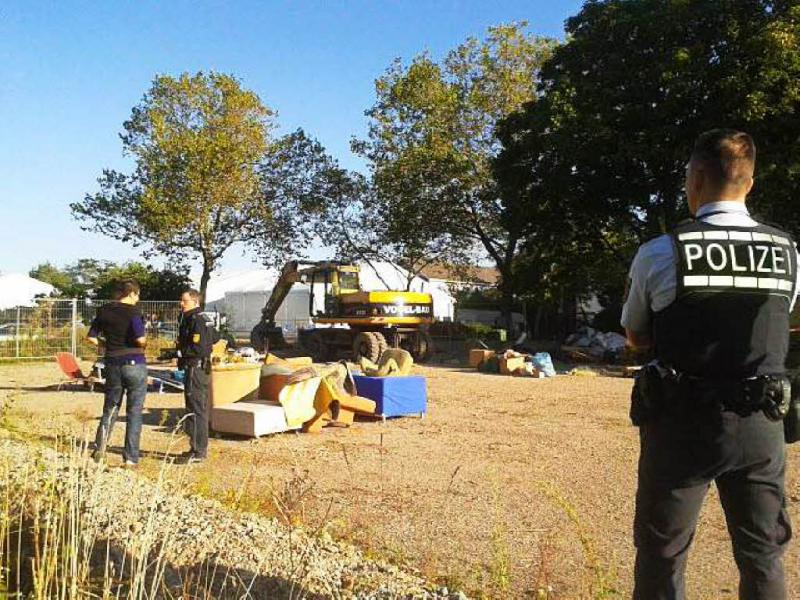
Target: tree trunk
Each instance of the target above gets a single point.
(537, 324)
(506, 303)
(208, 267)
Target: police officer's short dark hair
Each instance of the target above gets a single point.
(193, 294)
(126, 287)
(727, 156)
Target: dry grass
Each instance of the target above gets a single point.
(510, 488)
(49, 549)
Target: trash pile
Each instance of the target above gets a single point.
(253, 395)
(514, 363)
(588, 344)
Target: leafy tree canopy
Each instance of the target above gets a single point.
(625, 99)
(208, 174)
(601, 155)
(431, 142)
(96, 279)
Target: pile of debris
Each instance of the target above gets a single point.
(590, 345)
(274, 394)
(510, 362)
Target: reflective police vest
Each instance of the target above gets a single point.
(730, 317)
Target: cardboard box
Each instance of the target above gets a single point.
(478, 356)
(509, 365)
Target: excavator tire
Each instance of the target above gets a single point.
(366, 344)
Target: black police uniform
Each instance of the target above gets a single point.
(195, 339)
(722, 345)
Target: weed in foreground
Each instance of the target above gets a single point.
(603, 581)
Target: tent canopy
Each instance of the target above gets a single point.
(17, 289)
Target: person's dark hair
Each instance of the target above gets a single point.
(193, 294)
(727, 156)
(126, 287)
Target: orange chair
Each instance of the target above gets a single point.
(69, 366)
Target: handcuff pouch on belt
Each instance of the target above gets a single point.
(771, 393)
(652, 391)
(657, 390)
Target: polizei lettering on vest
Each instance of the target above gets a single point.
(758, 259)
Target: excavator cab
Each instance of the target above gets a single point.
(337, 281)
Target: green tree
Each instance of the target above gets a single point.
(432, 140)
(359, 227)
(298, 181)
(92, 278)
(73, 280)
(198, 142)
(155, 284)
(58, 278)
(601, 155)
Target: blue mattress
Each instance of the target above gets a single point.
(394, 396)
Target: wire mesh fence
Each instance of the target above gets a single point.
(61, 325)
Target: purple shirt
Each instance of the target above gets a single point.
(121, 325)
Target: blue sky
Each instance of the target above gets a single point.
(70, 72)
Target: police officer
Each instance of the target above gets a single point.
(195, 339)
(712, 301)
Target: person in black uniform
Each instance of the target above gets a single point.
(712, 300)
(195, 339)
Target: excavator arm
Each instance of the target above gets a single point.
(289, 276)
(265, 334)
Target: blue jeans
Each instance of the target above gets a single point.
(133, 380)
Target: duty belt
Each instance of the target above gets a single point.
(769, 393)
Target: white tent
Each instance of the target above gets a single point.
(17, 289)
(242, 294)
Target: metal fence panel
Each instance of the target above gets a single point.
(60, 325)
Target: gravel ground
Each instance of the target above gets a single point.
(510, 488)
(247, 554)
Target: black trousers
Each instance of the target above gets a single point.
(196, 398)
(681, 454)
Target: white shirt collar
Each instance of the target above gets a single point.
(729, 206)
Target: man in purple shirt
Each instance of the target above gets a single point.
(121, 325)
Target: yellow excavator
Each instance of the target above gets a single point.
(375, 320)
